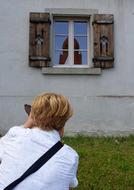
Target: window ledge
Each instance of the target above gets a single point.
(70, 71)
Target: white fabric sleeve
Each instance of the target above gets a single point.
(1, 149)
(4, 139)
(74, 180)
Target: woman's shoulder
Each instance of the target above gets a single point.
(17, 130)
(71, 152)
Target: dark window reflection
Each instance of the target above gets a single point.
(77, 54)
(61, 57)
(80, 57)
(64, 54)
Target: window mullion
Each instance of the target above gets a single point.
(88, 44)
(71, 43)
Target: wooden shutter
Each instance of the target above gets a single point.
(39, 39)
(103, 41)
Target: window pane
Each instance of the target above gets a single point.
(80, 27)
(61, 42)
(80, 57)
(61, 57)
(61, 27)
(80, 42)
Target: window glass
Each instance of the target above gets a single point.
(80, 27)
(80, 43)
(61, 57)
(61, 42)
(80, 57)
(61, 27)
(76, 33)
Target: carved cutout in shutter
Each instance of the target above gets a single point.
(103, 41)
(39, 39)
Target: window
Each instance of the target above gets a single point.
(74, 38)
(71, 42)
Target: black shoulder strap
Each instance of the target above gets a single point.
(37, 165)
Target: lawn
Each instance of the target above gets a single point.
(105, 163)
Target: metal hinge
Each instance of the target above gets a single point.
(103, 58)
(39, 58)
(40, 20)
(103, 22)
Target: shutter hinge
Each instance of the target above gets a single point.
(39, 58)
(102, 22)
(40, 20)
(103, 58)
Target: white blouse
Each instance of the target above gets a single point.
(21, 147)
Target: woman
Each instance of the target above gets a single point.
(23, 145)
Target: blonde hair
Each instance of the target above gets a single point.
(50, 111)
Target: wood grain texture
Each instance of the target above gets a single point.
(39, 39)
(103, 31)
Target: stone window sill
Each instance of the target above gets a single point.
(70, 71)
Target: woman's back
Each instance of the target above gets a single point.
(21, 147)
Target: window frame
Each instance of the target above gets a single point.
(71, 20)
(66, 12)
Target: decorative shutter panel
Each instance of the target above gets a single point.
(39, 39)
(103, 41)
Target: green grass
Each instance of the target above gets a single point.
(105, 163)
